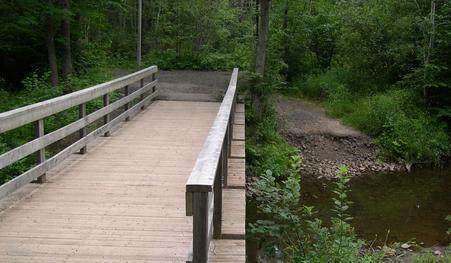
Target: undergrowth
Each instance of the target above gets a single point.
(286, 228)
(37, 88)
(394, 117)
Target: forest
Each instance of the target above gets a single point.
(382, 67)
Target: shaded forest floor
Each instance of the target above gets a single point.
(325, 143)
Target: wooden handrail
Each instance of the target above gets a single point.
(24, 115)
(36, 113)
(209, 176)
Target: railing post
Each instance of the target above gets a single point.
(106, 118)
(141, 97)
(217, 208)
(200, 227)
(82, 133)
(40, 155)
(226, 154)
(154, 77)
(127, 106)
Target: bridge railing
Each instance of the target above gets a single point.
(36, 113)
(209, 176)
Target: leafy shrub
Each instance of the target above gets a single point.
(413, 139)
(370, 114)
(319, 86)
(340, 102)
(290, 229)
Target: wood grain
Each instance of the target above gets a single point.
(122, 201)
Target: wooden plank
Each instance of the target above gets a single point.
(240, 118)
(234, 214)
(203, 174)
(40, 155)
(98, 208)
(237, 173)
(83, 131)
(21, 116)
(44, 141)
(40, 169)
(238, 149)
(239, 132)
(225, 250)
(239, 108)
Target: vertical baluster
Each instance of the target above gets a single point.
(106, 118)
(200, 227)
(141, 97)
(226, 155)
(154, 78)
(127, 106)
(82, 133)
(40, 155)
(217, 188)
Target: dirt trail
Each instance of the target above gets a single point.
(193, 85)
(324, 142)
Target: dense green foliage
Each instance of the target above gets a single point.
(176, 35)
(381, 66)
(287, 228)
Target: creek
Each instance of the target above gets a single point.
(392, 207)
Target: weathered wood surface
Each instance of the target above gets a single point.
(238, 149)
(203, 174)
(234, 214)
(239, 132)
(237, 173)
(45, 140)
(122, 201)
(226, 250)
(42, 168)
(16, 118)
(239, 108)
(232, 246)
(239, 118)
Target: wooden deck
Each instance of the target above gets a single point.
(124, 200)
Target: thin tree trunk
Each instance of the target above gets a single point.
(262, 41)
(286, 41)
(138, 50)
(51, 53)
(430, 46)
(257, 20)
(67, 68)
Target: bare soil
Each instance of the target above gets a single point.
(325, 143)
(190, 85)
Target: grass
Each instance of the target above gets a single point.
(394, 118)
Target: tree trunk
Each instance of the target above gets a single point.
(286, 40)
(51, 53)
(67, 68)
(262, 40)
(138, 49)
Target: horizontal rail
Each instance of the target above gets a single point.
(145, 93)
(24, 115)
(203, 174)
(204, 186)
(41, 142)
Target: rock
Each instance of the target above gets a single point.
(405, 246)
(438, 253)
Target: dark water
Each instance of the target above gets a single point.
(409, 205)
(412, 206)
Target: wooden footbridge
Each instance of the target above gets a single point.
(144, 180)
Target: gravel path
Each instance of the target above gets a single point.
(193, 85)
(325, 143)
